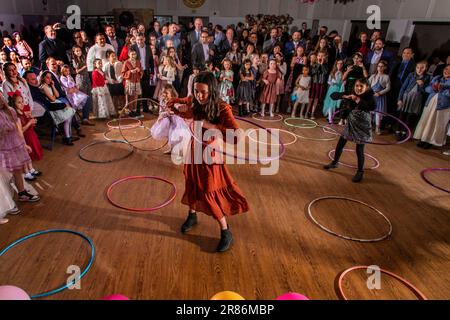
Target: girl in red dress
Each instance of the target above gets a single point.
(209, 187)
(31, 138)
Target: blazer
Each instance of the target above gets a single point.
(120, 43)
(49, 48)
(149, 62)
(386, 55)
(410, 83)
(198, 55)
(192, 37)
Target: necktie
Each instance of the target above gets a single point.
(112, 72)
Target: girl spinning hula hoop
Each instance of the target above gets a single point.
(209, 188)
(359, 125)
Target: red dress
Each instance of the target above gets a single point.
(31, 139)
(210, 188)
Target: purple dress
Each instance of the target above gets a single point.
(13, 155)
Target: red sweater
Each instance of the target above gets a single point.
(98, 79)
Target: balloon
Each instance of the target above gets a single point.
(116, 297)
(227, 295)
(292, 296)
(13, 293)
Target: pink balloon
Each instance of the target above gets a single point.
(116, 297)
(13, 293)
(292, 296)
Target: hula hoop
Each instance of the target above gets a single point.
(376, 166)
(105, 135)
(379, 143)
(254, 116)
(327, 129)
(313, 124)
(125, 108)
(424, 172)
(160, 206)
(121, 128)
(274, 144)
(343, 236)
(318, 139)
(130, 126)
(105, 142)
(414, 289)
(67, 285)
(268, 159)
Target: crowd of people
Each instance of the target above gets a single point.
(70, 82)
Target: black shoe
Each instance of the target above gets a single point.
(80, 134)
(67, 141)
(427, 146)
(421, 144)
(226, 240)
(190, 222)
(332, 165)
(358, 176)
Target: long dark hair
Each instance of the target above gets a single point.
(211, 110)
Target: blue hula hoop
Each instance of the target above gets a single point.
(66, 286)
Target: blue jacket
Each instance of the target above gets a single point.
(386, 55)
(410, 82)
(443, 94)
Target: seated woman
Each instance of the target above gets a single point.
(59, 112)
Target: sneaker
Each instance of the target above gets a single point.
(332, 165)
(4, 221)
(226, 240)
(36, 173)
(14, 211)
(24, 196)
(358, 176)
(312, 117)
(190, 222)
(29, 177)
(446, 153)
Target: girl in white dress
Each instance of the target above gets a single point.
(302, 86)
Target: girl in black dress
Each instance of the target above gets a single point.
(359, 123)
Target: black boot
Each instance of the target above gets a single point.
(190, 222)
(332, 165)
(226, 240)
(358, 176)
(67, 141)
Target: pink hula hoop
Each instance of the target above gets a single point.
(376, 166)
(160, 206)
(379, 143)
(414, 289)
(424, 172)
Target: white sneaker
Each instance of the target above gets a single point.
(14, 211)
(4, 221)
(271, 115)
(447, 153)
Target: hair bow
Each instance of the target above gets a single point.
(14, 94)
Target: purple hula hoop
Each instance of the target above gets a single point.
(378, 143)
(424, 172)
(282, 146)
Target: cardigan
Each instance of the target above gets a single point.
(385, 82)
(443, 94)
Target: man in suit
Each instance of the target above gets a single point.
(375, 36)
(113, 40)
(145, 56)
(291, 47)
(322, 34)
(195, 35)
(305, 31)
(272, 42)
(202, 51)
(226, 43)
(51, 47)
(375, 56)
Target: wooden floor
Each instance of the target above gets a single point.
(277, 247)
